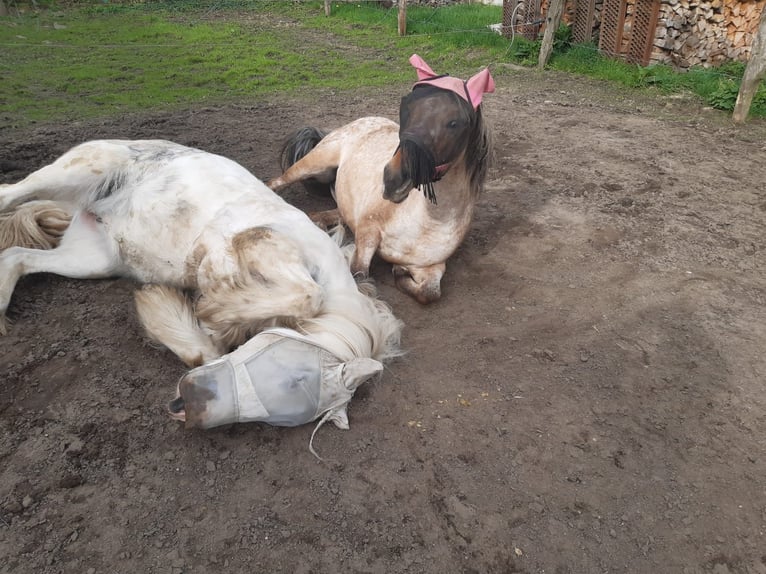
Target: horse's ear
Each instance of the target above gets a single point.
(357, 371)
(478, 85)
(424, 70)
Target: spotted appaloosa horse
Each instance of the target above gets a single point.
(222, 257)
(440, 145)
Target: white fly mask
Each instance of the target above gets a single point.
(278, 377)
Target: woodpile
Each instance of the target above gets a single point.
(705, 32)
(685, 33)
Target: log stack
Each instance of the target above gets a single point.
(705, 32)
(688, 32)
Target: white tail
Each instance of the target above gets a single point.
(37, 224)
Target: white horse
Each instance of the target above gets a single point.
(222, 258)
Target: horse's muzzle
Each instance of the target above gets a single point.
(396, 184)
(279, 377)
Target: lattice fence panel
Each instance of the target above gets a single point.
(508, 7)
(644, 23)
(582, 23)
(532, 16)
(528, 18)
(612, 24)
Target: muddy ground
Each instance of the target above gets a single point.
(588, 396)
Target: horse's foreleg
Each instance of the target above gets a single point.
(167, 314)
(326, 219)
(85, 252)
(366, 242)
(421, 283)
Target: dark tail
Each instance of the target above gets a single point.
(295, 148)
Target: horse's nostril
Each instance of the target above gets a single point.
(176, 406)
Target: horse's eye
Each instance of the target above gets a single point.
(452, 124)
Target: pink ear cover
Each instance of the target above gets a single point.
(471, 91)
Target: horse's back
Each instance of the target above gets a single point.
(372, 135)
(366, 145)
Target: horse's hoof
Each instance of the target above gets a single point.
(4, 324)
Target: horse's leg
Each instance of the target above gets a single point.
(422, 283)
(320, 163)
(366, 242)
(85, 252)
(76, 172)
(271, 286)
(326, 219)
(167, 314)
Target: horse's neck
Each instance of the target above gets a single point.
(454, 198)
(354, 325)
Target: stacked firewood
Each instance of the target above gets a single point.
(705, 32)
(687, 33)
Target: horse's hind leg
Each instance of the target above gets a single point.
(320, 163)
(421, 283)
(167, 314)
(76, 172)
(85, 252)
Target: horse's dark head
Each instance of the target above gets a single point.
(440, 124)
(434, 129)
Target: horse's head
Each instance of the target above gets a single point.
(438, 121)
(279, 377)
(433, 132)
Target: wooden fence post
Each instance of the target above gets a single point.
(327, 7)
(755, 70)
(552, 21)
(402, 17)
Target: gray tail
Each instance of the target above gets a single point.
(296, 147)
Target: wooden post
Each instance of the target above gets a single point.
(327, 7)
(755, 70)
(552, 21)
(402, 17)
(3, 8)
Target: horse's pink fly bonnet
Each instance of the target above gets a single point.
(471, 91)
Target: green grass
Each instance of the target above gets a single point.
(717, 87)
(84, 59)
(75, 60)
(82, 63)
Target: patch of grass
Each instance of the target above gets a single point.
(76, 65)
(101, 60)
(454, 38)
(81, 59)
(717, 87)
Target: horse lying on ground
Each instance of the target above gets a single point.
(441, 145)
(224, 261)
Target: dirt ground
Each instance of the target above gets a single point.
(587, 397)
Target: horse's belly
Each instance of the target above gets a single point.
(153, 246)
(159, 258)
